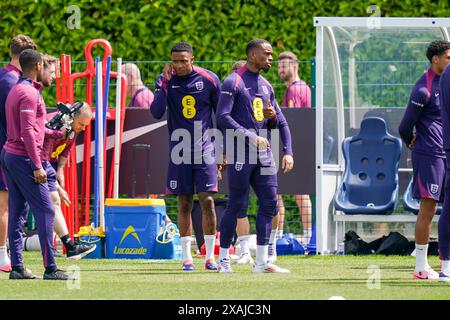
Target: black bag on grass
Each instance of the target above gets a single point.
(394, 244)
(353, 244)
(375, 244)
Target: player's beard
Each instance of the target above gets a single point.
(287, 75)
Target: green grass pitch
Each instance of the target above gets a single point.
(311, 277)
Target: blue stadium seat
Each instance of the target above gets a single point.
(370, 182)
(412, 205)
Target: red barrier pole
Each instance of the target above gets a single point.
(122, 121)
(59, 82)
(72, 162)
(69, 99)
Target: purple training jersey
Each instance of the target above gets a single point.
(424, 114)
(9, 75)
(189, 99)
(143, 98)
(298, 95)
(444, 86)
(25, 119)
(243, 97)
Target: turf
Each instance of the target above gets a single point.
(311, 277)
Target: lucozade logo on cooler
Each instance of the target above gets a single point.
(130, 231)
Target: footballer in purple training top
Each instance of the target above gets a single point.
(247, 106)
(444, 219)
(423, 114)
(25, 171)
(190, 94)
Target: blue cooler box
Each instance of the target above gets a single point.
(132, 226)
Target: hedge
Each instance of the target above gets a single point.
(218, 30)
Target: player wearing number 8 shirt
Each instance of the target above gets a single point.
(190, 94)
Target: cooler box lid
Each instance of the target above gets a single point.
(135, 202)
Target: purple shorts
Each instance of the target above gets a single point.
(51, 176)
(191, 178)
(428, 177)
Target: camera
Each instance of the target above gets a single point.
(64, 117)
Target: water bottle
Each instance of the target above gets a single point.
(341, 249)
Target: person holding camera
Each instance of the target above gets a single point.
(56, 151)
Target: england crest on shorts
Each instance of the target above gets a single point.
(173, 184)
(199, 85)
(238, 166)
(434, 188)
(265, 90)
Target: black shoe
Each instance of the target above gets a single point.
(57, 275)
(22, 275)
(80, 251)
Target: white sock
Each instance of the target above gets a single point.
(279, 234)
(421, 257)
(210, 241)
(4, 259)
(262, 254)
(273, 234)
(446, 267)
(223, 253)
(186, 247)
(243, 240)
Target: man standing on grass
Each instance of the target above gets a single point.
(9, 75)
(190, 94)
(428, 157)
(298, 95)
(444, 219)
(55, 151)
(247, 107)
(26, 173)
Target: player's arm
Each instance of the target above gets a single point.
(54, 134)
(62, 161)
(270, 112)
(286, 140)
(215, 95)
(412, 114)
(444, 91)
(63, 195)
(159, 104)
(28, 107)
(285, 134)
(215, 92)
